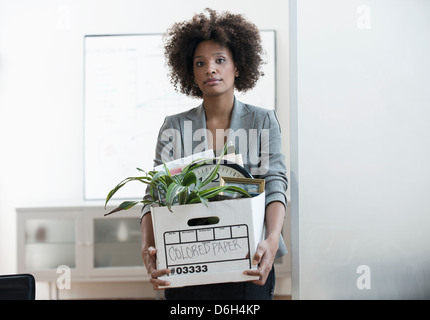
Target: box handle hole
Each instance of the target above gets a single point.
(203, 221)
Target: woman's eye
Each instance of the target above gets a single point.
(199, 63)
(220, 60)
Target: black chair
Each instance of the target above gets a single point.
(17, 287)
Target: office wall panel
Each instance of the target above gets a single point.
(360, 149)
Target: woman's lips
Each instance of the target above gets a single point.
(212, 81)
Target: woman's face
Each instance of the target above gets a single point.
(214, 69)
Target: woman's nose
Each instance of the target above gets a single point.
(211, 69)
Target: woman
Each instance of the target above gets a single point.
(210, 57)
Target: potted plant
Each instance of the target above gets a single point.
(182, 188)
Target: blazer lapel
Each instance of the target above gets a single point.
(194, 127)
(241, 117)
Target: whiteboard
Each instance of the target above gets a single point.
(127, 95)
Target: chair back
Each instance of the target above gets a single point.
(17, 287)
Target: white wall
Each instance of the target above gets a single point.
(360, 153)
(41, 89)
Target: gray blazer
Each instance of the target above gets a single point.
(255, 133)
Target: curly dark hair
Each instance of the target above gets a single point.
(229, 30)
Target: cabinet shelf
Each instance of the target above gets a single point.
(50, 243)
(118, 242)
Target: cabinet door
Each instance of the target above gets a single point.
(46, 241)
(116, 245)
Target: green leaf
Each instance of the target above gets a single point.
(190, 197)
(166, 169)
(124, 182)
(212, 192)
(214, 171)
(234, 189)
(168, 180)
(158, 175)
(189, 179)
(194, 165)
(182, 196)
(198, 199)
(124, 206)
(172, 192)
(210, 176)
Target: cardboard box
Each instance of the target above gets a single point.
(214, 253)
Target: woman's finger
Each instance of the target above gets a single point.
(151, 266)
(259, 253)
(262, 276)
(158, 282)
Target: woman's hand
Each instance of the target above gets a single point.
(149, 259)
(264, 258)
(266, 250)
(149, 254)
